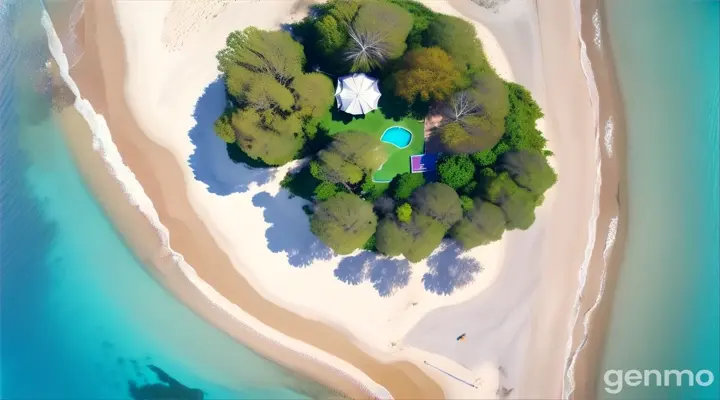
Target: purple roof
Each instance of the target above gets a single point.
(423, 162)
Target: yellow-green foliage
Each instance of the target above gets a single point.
(427, 74)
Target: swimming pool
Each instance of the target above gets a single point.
(398, 136)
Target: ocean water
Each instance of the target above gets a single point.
(80, 317)
(667, 305)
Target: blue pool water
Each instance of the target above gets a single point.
(666, 307)
(398, 136)
(81, 318)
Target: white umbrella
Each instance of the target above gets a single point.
(357, 94)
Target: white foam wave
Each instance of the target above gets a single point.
(571, 356)
(598, 33)
(608, 137)
(104, 145)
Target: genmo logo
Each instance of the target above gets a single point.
(617, 379)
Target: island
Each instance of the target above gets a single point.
(405, 134)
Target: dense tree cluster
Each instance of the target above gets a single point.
(272, 99)
(494, 171)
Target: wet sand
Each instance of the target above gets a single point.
(613, 204)
(100, 76)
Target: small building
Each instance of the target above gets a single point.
(357, 94)
(423, 162)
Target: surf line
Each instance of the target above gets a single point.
(451, 375)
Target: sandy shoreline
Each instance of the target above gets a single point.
(613, 205)
(530, 346)
(99, 75)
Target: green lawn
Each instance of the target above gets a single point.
(375, 123)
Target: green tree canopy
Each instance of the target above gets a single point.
(404, 185)
(439, 201)
(391, 238)
(377, 35)
(482, 224)
(428, 74)
(315, 94)
(426, 234)
(269, 52)
(517, 203)
(350, 156)
(266, 93)
(344, 222)
(456, 170)
(224, 129)
(520, 125)
(476, 116)
(404, 212)
(529, 169)
(273, 139)
(459, 39)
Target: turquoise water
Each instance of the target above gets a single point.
(81, 318)
(666, 309)
(397, 136)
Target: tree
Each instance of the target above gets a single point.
(530, 170)
(269, 138)
(274, 53)
(426, 234)
(520, 128)
(266, 93)
(224, 129)
(428, 74)
(315, 94)
(475, 117)
(404, 185)
(404, 212)
(350, 156)
(325, 190)
(344, 222)
(377, 35)
(483, 223)
(517, 203)
(438, 201)
(422, 17)
(484, 158)
(456, 170)
(459, 39)
(391, 239)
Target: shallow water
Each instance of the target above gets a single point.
(666, 308)
(81, 318)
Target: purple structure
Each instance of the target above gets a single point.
(423, 162)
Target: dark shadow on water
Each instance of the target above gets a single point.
(386, 275)
(449, 270)
(166, 388)
(286, 218)
(210, 161)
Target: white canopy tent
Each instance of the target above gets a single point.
(357, 94)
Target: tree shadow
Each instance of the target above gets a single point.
(210, 161)
(386, 275)
(448, 270)
(290, 231)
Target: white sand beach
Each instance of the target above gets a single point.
(513, 299)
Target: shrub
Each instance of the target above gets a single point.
(405, 184)
(325, 190)
(466, 202)
(455, 171)
(404, 212)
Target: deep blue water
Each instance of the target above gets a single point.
(80, 316)
(397, 135)
(667, 305)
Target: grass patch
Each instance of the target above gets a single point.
(375, 123)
